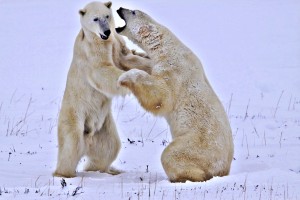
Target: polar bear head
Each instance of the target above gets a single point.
(97, 18)
(140, 28)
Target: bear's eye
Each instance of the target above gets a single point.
(133, 12)
(107, 16)
(95, 19)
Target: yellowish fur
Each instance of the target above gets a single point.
(177, 89)
(86, 126)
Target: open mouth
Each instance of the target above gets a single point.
(120, 13)
(103, 37)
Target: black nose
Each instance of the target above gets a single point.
(107, 33)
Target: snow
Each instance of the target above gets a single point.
(251, 54)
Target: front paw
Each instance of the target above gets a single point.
(144, 55)
(129, 78)
(124, 80)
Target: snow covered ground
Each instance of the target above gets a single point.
(250, 50)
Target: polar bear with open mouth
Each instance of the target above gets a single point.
(177, 89)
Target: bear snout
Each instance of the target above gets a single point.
(107, 33)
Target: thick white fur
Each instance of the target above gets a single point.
(178, 90)
(86, 126)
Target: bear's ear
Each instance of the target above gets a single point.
(108, 4)
(82, 12)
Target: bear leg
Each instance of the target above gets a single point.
(137, 60)
(182, 161)
(70, 151)
(103, 148)
(104, 80)
(153, 92)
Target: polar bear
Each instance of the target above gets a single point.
(177, 89)
(86, 126)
